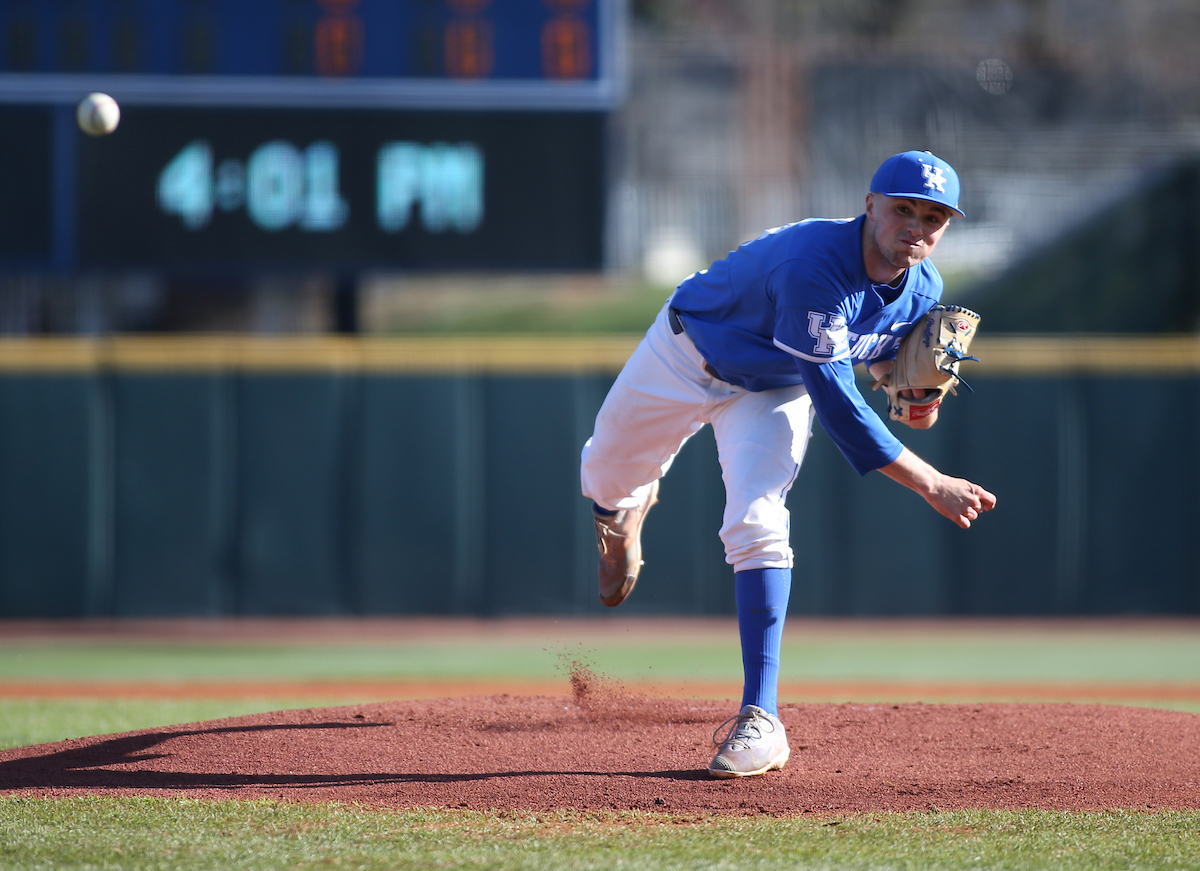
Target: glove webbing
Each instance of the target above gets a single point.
(957, 356)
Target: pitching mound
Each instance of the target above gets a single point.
(545, 753)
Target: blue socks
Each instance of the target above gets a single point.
(762, 599)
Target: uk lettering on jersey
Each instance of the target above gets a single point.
(800, 291)
(833, 340)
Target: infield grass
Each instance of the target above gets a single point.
(1025, 652)
(24, 722)
(888, 656)
(153, 833)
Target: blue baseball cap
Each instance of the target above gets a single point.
(918, 175)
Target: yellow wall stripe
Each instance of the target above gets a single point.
(533, 354)
(1083, 354)
(416, 354)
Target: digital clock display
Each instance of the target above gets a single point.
(180, 188)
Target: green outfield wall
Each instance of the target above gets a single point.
(225, 476)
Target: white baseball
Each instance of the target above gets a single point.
(98, 114)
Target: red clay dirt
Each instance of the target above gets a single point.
(601, 749)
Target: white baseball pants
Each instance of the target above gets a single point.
(662, 397)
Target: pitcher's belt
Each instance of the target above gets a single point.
(677, 328)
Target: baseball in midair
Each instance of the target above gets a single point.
(98, 114)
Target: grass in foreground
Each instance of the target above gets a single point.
(151, 833)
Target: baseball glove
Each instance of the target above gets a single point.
(928, 358)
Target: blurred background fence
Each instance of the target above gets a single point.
(390, 170)
(411, 477)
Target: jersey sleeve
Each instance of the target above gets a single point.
(857, 431)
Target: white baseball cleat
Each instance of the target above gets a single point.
(619, 541)
(755, 744)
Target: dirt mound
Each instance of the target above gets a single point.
(599, 751)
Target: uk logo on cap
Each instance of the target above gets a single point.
(935, 179)
(918, 175)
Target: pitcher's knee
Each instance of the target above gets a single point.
(755, 548)
(756, 532)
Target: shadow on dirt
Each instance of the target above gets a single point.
(94, 766)
(90, 765)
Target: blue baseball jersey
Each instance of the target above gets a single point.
(796, 306)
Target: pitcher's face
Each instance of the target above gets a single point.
(903, 231)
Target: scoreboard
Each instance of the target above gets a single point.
(486, 54)
(213, 187)
(425, 134)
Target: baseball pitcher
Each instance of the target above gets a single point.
(756, 346)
